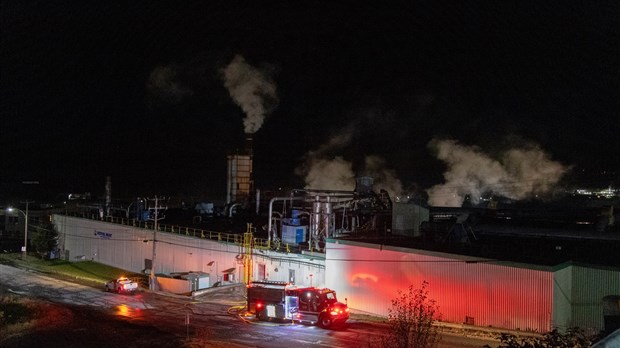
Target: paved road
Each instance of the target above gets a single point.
(35, 284)
(213, 317)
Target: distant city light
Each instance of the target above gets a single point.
(605, 193)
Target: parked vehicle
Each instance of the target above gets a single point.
(276, 300)
(121, 285)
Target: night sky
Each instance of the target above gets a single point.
(137, 92)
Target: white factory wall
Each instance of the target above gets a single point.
(499, 294)
(482, 293)
(300, 271)
(124, 247)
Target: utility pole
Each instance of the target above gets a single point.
(27, 182)
(26, 228)
(155, 218)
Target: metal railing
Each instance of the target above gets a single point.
(237, 239)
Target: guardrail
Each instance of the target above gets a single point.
(237, 239)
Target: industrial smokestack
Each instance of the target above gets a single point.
(240, 177)
(249, 150)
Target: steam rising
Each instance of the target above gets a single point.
(329, 174)
(321, 170)
(252, 90)
(164, 86)
(518, 173)
(384, 178)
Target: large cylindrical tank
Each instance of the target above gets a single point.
(328, 219)
(315, 218)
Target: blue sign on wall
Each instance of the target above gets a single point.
(105, 235)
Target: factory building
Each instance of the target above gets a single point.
(484, 267)
(468, 289)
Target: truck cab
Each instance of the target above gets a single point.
(319, 306)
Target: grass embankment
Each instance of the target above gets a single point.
(87, 272)
(17, 313)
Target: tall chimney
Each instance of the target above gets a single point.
(249, 150)
(248, 144)
(240, 177)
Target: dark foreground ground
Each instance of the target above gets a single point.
(27, 321)
(44, 324)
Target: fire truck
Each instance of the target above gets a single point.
(283, 301)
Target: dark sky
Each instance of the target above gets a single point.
(76, 104)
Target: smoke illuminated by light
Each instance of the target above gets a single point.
(332, 174)
(384, 178)
(252, 90)
(320, 170)
(518, 173)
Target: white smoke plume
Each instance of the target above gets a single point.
(163, 85)
(384, 178)
(329, 174)
(251, 89)
(321, 170)
(517, 174)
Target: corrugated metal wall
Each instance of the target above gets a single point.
(562, 297)
(124, 247)
(590, 285)
(492, 294)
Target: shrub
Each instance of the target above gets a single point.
(410, 320)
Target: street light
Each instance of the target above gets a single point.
(25, 226)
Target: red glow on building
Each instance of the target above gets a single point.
(481, 293)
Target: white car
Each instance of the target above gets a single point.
(121, 285)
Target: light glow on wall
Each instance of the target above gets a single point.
(360, 279)
(492, 294)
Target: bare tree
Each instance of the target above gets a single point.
(411, 320)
